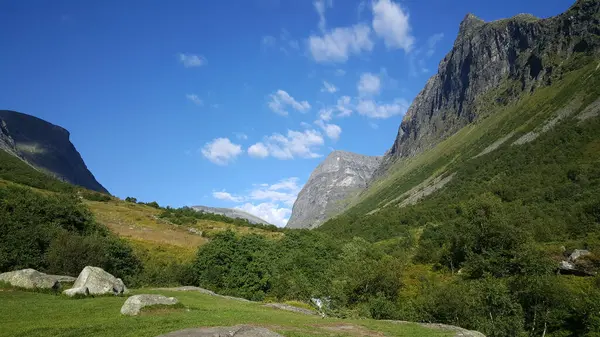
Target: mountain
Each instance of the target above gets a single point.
(231, 213)
(526, 51)
(46, 147)
(330, 186)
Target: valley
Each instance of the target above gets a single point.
(482, 218)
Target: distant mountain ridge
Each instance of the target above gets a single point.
(231, 213)
(46, 147)
(340, 176)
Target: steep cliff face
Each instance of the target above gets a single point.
(338, 177)
(524, 49)
(46, 147)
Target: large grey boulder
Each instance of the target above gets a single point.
(64, 278)
(234, 331)
(30, 279)
(134, 304)
(99, 282)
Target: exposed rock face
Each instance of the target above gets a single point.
(522, 49)
(134, 304)
(83, 291)
(234, 331)
(231, 213)
(30, 279)
(341, 175)
(46, 147)
(99, 282)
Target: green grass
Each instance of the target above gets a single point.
(35, 314)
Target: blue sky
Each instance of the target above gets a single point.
(227, 103)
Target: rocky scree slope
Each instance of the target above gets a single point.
(46, 147)
(340, 176)
(523, 49)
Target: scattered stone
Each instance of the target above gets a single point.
(99, 282)
(292, 308)
(234, 331)
(577, 253)
(30, 279)
(84, 291)
(134, 304)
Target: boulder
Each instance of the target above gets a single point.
(134, 304)
(84, 291)
(234, 331)
(99, 282)
(30, 279)
(577, 253)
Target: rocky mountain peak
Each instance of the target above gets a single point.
(521, 50)
(469, 23)
(335, 180)
(46, 147)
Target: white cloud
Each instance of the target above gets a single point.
(373, 109)
(281, 99)
(338, 44)
(320, 6)
(325, 114)
(192, 60)
(295, 144)
(331, 130)
(328, 87)
(195, 99)
(221, 151)
(227, 196)
(344, 106)
(258, 150)
(391, 23)
(305, 125)
(272, 203)
(270, 212)
(369, 84)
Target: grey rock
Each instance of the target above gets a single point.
(330, 187)
(99, 282)
(519, 49)
(231, 213)
(134, 304)
(30, 279)
(577, 253)
(83, 291)
(287, 307)
(566, 266)
(46, 147)
(234, 331)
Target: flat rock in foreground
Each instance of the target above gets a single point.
(134, 304)
(30, 279)
(237, 331)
